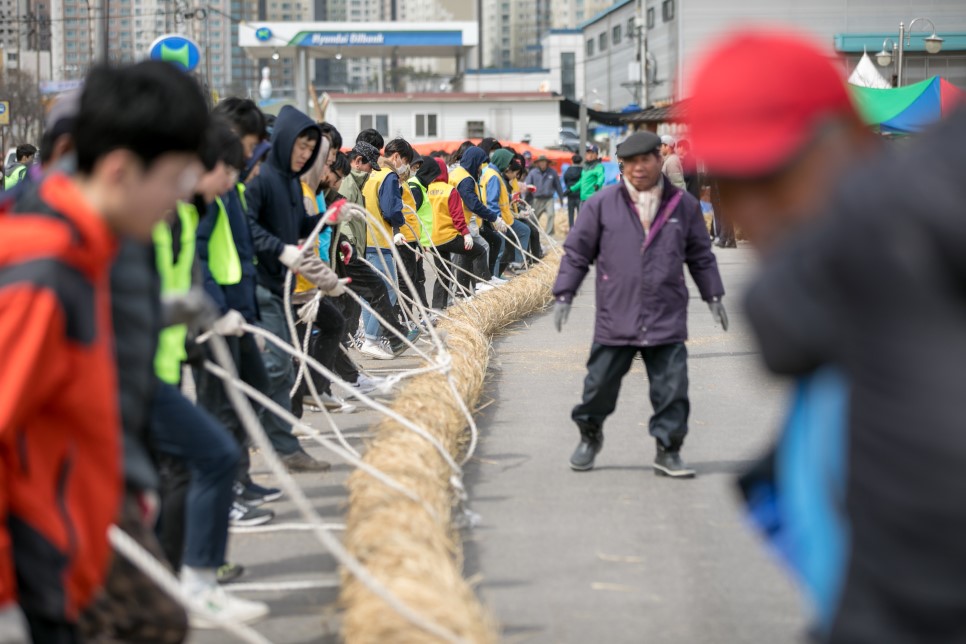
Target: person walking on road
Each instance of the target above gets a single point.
(571, 178)
(591, 177)
(672, 162)
(547, 183)
(639, 233)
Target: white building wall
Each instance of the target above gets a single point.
(504, 119)
(554, 45)
(508, 82)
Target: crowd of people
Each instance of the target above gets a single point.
(151, 222)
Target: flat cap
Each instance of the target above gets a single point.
(368, 152)
(638, 143)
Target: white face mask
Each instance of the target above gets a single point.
(403, 169)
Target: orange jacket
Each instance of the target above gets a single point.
(60, 434)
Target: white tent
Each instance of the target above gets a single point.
(866, 74)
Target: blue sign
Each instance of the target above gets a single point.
(263, 34)
(177, 50)
(379, 39)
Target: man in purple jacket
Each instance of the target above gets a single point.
(640, 233)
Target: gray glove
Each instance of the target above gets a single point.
(13, 625)
(194, 308)
(561, 311)
(718, 312)
(230, 323)
(315, 270)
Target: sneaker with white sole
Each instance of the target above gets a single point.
(243, 515)
(372, 350)
(482, 287)
(371, 385)
(217, 602)
(498, 281)
(336, 404)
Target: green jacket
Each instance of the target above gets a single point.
(591, 180)
(355, 229)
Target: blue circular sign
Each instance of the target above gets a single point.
(177, 50)
(263, 34)
(3, 108)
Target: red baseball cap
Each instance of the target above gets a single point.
(756, 99)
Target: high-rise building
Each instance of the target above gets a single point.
(568, 14)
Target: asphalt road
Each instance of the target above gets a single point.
(618, 554)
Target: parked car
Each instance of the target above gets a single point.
(569, 138)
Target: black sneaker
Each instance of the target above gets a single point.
(669, 463)
(591, 442)
(268, 494)
(229, 572)
(243, 515)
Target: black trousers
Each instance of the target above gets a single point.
(351, 311)
(327, 332)
(443, 281)
(371, 287)
(494, 241)
(212, 397)
(412, 262)
(667, 373)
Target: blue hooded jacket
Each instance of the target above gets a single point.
(276, 210)
(472, 159)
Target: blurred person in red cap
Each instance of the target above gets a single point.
(639, 233)
(861, 301)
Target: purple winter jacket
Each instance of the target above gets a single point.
(642, 298)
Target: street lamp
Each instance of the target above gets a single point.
(934, 45)
(884, 57)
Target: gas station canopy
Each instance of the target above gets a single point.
(358, 40)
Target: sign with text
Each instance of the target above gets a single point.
(378, 38)
(4, 112)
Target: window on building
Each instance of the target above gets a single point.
(475, 130)
(667, 10)
(590, 47)
(378, 121)
(427, 125)
(615, 35)
(602, 42)
(630, 27)
(650, 18)
(568, 75)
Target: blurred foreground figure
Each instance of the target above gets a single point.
(860, 299)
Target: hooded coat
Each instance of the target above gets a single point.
(642, 298)
(472, 160)
(276, 209)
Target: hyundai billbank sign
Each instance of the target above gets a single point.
(413, 38)
(380, 38)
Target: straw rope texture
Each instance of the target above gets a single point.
(418, 557)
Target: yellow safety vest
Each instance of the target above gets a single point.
(438, 196)
(175, 280)
(424, 214)
(455, 179)
(492, 174)
(223, 260)
(370, 192)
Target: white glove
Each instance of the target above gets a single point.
(13, 625)
(500, 226)
(260, 342)
(338, 289)
(230, 323)
(291, 257)
(467, 242)
(399, 240)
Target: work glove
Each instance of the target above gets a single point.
(13, 625)
(398, 239)
(467, 242)
(149, 504)
(718, 312)
(338, 289)
(292, 257)
(230, 323)
(500, 226)
(315, 270)
(561, 311)
(345, 249)
(194, 308)
(337, 215)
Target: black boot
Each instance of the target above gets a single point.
(669, 463)
(591, 442)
